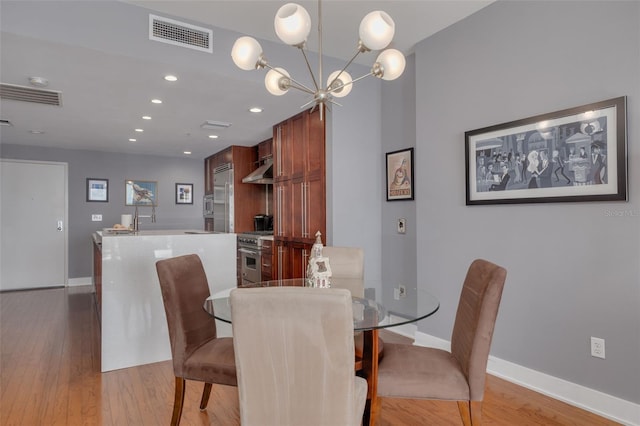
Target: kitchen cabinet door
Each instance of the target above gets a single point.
(315, 208)
(282, 147)
(282, 219)
(298, 259)
(283, 269)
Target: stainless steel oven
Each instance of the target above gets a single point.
(249, 252)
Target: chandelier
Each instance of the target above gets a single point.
(293, 25)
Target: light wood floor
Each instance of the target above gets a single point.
(50, 375)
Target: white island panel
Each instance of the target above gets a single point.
(134, 325)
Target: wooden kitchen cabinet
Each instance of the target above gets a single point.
(265, 149)
(299, 190)
(267, 260)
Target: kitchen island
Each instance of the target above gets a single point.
(133, 321)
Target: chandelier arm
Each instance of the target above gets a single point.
(313, 77)
(298, 85)
(351, 82)
(319, 46)
(343, 70)
(360, 78)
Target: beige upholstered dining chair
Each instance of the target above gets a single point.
(196, 351)
(347, 263)
(294, 357)
(415, 372)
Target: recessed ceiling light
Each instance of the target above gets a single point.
(146, 117)
(36, 132)
(156, 101)
(213, 136)
(170, 77)
(255, 109)
(132, 140)
(187, 152)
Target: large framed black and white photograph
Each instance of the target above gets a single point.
(400, 175)
(577, 154)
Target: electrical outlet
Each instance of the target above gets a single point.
(396, 294)
(402, 225)
(402, 291)
(597, 347)
(96, 218)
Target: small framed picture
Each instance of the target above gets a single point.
(184, 193)
(400, 175)
(98, 190)
(141, 193)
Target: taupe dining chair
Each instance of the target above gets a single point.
(196, 351)
(348, 263)
(294, 356)
(415, 372)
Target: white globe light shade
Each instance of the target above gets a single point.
(246, 52)
(292, 24)
(272, 81)
(344, 80)
(377, 30)
(392, 62)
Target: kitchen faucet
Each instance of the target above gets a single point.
(137, 216)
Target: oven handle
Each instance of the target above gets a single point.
(247, 251)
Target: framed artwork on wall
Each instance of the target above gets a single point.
(184, 193)
(400, 175)
(572, 155)
(141, 193)
(98, 190)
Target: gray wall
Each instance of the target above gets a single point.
(399, 260)
(117, 168)
(573, 268)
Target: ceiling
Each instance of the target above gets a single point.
(97, 54)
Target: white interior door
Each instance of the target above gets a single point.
(33, 224)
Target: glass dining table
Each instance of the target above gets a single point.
(369, 316)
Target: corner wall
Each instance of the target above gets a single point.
(573, 269)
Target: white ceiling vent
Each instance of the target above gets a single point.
(30, 94)
(167, 30)
(212, 124)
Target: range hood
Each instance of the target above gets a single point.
(263, 174)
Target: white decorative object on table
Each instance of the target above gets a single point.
(318, 270)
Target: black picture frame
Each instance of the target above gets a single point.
(400, 175)
(572, 155)
(184, 193)
(97, 190)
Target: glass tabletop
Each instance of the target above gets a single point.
(368, 314)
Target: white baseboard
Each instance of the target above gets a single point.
(76, 282)
(611, 407)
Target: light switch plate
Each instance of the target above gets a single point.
(96, 218)
(402, 226)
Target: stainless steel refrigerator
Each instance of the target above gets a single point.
(223, 198)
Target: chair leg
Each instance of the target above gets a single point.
(205, 396)
(470, 412)
(178, 401)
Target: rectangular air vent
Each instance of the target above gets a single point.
(212, 124)
(30, 94)
(167, 30)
